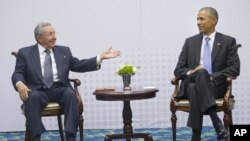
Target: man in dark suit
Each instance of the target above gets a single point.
(41, 75)
(204, 63)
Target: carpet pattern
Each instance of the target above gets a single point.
(159, 134)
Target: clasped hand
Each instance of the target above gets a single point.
(199, 67)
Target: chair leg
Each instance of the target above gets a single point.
(231, 117)
(227, 120)
(60, 127)
(27, 134)
(81, 127)
(173, 120)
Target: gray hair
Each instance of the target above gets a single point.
(39, 29)
(212, 11)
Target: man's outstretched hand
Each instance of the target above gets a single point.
(109, 53)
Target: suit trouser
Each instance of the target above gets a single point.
(201, 93)
(38, 100)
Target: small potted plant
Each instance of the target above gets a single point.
(126, 71)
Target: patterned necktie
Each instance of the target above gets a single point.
(48, 72)
(207, 56)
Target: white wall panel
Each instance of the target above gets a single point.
(149, 33)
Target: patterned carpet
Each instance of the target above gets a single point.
(159, 134)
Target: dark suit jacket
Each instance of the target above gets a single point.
(28, 66)
(225, 59)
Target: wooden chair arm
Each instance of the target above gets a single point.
(175, 81)
(229, 88)
(230, 79)
(77, 83)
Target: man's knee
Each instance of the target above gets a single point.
(203, 72)
(34, 96)
(69, 93)
(202, 75)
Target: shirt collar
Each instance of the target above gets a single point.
(41, 49)
(211, 36)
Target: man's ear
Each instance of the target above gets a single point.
(215, 21)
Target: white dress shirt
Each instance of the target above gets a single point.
(42, 54)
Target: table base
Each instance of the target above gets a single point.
(146, 136)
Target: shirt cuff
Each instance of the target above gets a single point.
(18, 82)
(189, 72)
(98, 61)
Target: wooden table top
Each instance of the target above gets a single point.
(121, 95)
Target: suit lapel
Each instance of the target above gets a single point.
(59, 60)
(198, 48)
(35, 58)
(216, 46)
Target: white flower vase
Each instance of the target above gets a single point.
(126, 78)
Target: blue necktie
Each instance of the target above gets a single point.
(48, 72)
(207, 56)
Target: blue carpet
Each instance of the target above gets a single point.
(159, 134)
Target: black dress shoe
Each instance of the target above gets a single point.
(36, 138)
(196, 135)
(70, 137)
(222, 134)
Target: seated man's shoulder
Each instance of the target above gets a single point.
(194, 37)
(61, 47)
(26, 49)
(225, 36)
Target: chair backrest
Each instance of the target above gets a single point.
(14, 53)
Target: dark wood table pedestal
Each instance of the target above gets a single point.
(126, 97)
(145, 136)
